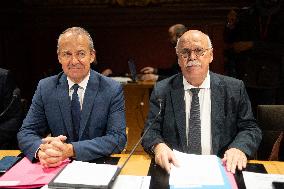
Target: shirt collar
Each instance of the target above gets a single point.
(205, 84)
(82, 84)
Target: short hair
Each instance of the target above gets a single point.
(210, 46)
(77, 31)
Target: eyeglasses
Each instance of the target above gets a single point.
(80, 55)
(185, 53)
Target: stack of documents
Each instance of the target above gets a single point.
(80, 174)
(199, 171)
(29, 175)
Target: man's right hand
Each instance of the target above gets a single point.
(164, 156)
(52, 152)
(148, 70)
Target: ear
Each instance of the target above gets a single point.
(58, 57)
(211, 55)
(93, 55)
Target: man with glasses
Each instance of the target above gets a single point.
(82, 110)
(201, 112)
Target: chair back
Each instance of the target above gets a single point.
(270, 119)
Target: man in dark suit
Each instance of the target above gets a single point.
(10, 110)
(227, 129)
(157, 74)
(98, 131)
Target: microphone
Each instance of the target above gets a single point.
(119, 169)
(16, 94)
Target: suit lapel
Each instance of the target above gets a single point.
(89, 98)
(65, 104)
(218, 96)
(177, 96)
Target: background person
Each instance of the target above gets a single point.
(155, 74)
(11, 118)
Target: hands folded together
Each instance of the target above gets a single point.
(233, 157)
(54, 150)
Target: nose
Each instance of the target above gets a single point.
(74, 59)
(191, 55)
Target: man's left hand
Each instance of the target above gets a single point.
(235, 158)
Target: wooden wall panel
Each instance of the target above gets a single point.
(29, 30)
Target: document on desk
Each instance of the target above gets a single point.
(128, 182)
(198, 171)
(29, 175)
(84, 174)
(260, 180)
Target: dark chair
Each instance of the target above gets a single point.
(271, 121)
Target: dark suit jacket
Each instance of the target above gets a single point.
(102, 126)
(10, 122)
(232, 121)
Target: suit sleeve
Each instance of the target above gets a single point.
(249, 134)
(34, 126)
(154, 134)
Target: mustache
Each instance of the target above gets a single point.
(193, 63)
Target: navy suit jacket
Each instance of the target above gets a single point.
(232, 121)
(102, 126)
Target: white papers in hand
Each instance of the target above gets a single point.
(195, 171)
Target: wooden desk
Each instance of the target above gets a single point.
(137, 97)
(139, 164)
(9, 153)
(272, 167)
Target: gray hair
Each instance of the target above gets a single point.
(76, 31)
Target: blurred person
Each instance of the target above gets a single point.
(156, 74)
(82, 110)
(254, 48)
(10, 110)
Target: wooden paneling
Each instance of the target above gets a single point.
(29, 31)
(137, 105)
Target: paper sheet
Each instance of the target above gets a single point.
(260, 180)
(79, 172)
(196, 171)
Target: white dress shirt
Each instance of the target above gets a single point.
(205, 112)
(81, 89)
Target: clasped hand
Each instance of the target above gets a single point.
(53, 151)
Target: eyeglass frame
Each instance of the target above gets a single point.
(67, 55)
(195, 53)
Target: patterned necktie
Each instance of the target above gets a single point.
(194, 124)
(75, 111)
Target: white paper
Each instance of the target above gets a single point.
(86, 173)
(261, 181)
(9, 183)
(131, 182)
(121, 79)
(195, 170)
(128, 182)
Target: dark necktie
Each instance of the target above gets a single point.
(194, 125)
(75, 111)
